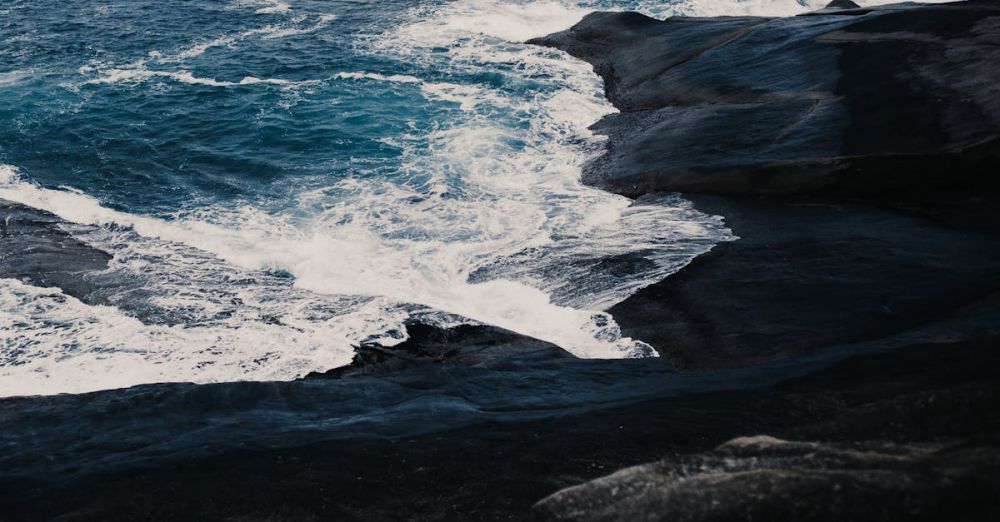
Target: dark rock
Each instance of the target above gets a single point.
(35, 248)
(842, 4)
(765, 478)
(895, 101)
(894, 108)
(967, 411)
(306, 450)
(810, 275)
(469, 345)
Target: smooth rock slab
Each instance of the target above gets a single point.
(36, 249)
(861, 102)
(812, 275)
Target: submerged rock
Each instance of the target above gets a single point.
(895, 99)
(36, 249)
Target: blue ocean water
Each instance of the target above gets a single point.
(280, 180)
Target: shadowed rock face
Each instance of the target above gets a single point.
(844, 101)
(814, 275)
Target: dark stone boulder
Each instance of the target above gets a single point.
(895, 100)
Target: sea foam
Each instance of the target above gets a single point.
(486, 220)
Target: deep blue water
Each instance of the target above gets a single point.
(280, 181)
(157, 145)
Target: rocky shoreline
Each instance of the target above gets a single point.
(892, 102)
(854, 152)
(837, 362)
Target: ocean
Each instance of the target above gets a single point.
(280, 181)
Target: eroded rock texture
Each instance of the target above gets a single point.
(766, 478)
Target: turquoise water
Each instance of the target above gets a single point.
(280, 181)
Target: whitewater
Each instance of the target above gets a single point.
(296, 178)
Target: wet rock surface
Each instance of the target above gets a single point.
(478, 345)
(896, 99)
(36, 248)
(234, 452)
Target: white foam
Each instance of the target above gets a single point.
(53, 343)
(275, 6)
(268, 32)
(283, 31)
(142, 74)
(732, 7)
(234, 324)
(510, 21)
(264, 6)
(500, 202)
(350, 260)
(489, 222)
(395, 78)
(139, 71)
(496, 205)
(468, 97)
(706, 8)
(8, 174)
(10, 78)
(199, 49)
